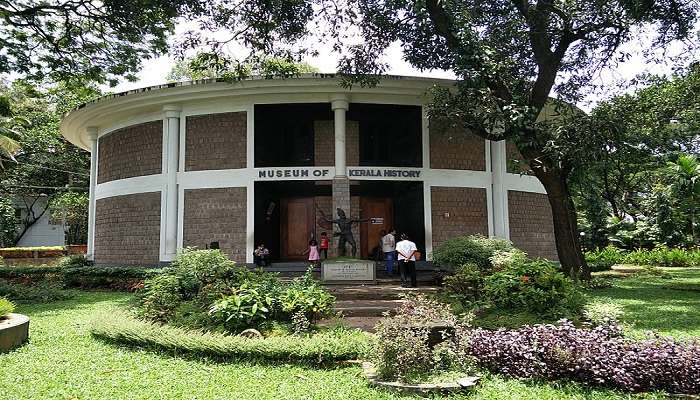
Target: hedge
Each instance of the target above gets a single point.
(89, 277)
(322, 348)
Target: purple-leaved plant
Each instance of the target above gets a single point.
(599, 356)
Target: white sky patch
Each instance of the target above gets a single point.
(155, 70)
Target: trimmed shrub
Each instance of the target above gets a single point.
(599, 356)
(6, 307)
(604, 259)
(474, 249)
(536, 286)
(71, 273)
(42, 292)
(322, 348)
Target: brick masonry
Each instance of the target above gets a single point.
(215, 141)
(452, 148)
(216, 215)
(136, 150)
(531, 226)
(467, 209)
(127, 229)
(515, 162)
(324, 143)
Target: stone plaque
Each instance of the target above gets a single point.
(348, 271)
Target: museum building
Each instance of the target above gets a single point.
(269, 160)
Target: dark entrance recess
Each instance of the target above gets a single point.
(285, 216)
(390, 134)
(284, 133)
(400, 204)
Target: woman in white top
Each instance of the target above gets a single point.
(406, 250)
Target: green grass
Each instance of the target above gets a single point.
(63, 361)
(668, 306)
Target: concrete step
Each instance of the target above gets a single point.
(366, 308)
(374, 292)
(364, 323)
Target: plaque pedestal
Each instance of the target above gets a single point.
(348, 271)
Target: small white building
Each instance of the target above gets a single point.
(45, 231)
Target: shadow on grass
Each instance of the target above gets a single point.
(652, 305)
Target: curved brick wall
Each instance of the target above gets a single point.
(127, 229)
(531, 226)
(451, 148)
(216, 215)
(467, 209)
(215, 141)
(136, 150)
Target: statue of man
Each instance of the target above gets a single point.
(345, 234)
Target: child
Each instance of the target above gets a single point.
(325, 243)
(313, 252)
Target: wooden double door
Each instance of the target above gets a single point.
(297, 221)
(380, 212)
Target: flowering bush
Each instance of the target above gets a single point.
(599, 356)
(535, 286)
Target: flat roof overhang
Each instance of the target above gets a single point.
(110, 110)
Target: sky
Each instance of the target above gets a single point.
(155, 71)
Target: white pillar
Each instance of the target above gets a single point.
(499, 190)
(340, 106)
(92, 135)
(172, 133)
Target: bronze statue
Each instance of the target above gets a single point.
(345, 234)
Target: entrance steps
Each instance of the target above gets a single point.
(362, 306)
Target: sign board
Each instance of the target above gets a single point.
(377, 221)
(299, 173)
(383, 173)
(348, 271)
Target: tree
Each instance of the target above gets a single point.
(642, 132)
(510, 57)
(684, 179)
(94, 40)
(211, 65)
(47, 165)
(8, 133)
(71, 208)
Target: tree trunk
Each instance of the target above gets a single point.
(571, 257)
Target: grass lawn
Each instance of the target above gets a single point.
(668, 306)
(63, 361)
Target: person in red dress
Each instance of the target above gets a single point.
(325, 243)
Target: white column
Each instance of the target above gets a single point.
(172, 133)
(427, 191)
(92, 135)
(340, 106)
(499, 191)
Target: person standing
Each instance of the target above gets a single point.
(388, 248)
(406, 250)
(312, 251)
(324, 245)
